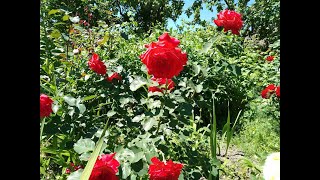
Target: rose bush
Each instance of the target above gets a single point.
(143, 125)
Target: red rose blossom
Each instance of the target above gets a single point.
(229, 20)
(114, 76)
(96, 65)
(45, 106)
(270, 58)
(105, 168)
(163, 58)
(161, 81)
(268, 91)
(271, 87)
(164, 171)
(278, 91)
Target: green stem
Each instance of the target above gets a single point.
(42, 126)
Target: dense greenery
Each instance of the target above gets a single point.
(229, 69)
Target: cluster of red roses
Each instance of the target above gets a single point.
(106, 167)
(269, 90)
(96, 65)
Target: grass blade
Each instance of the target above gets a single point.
(228, 130)
(87, 170)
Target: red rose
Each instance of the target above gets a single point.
(163, 58)
(278, 91)
(268, 91)
(265, 94)
(96, 65)
(164, 171)
(161, 81)
(114, 76)
(271, 87)
(105, 168)
(270, 58)
(45, 106)
(230, 20)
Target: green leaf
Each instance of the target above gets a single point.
(181, 177)
(206, 47)
(133, 177)
(84, 145)
(87, 98)
(126, 155)
(220, 48)
(196, 68)
(75, 175)
(55, 33)
(85, 156)
(199, 88)
(70, 100)
(137, 83)
(55, 107)
(214, 171)
(111, 113)
(53, 11)
(138, 118)
(105, 39)
(126, 170)
(149, 123)
(137, 157)
(81, 107)
(65, 17)
(137, 166)
(71, 111)
(236, 70)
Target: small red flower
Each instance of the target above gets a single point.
(96, 65)
(270, 58)
(161, 81)
(114, 76)
(229, 20)
(163, 58)
(68, 171)
(45, 106)
(268, 91)
(278, 91)
(164, 171)
(105, 168)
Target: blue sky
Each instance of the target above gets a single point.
(205, 14)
